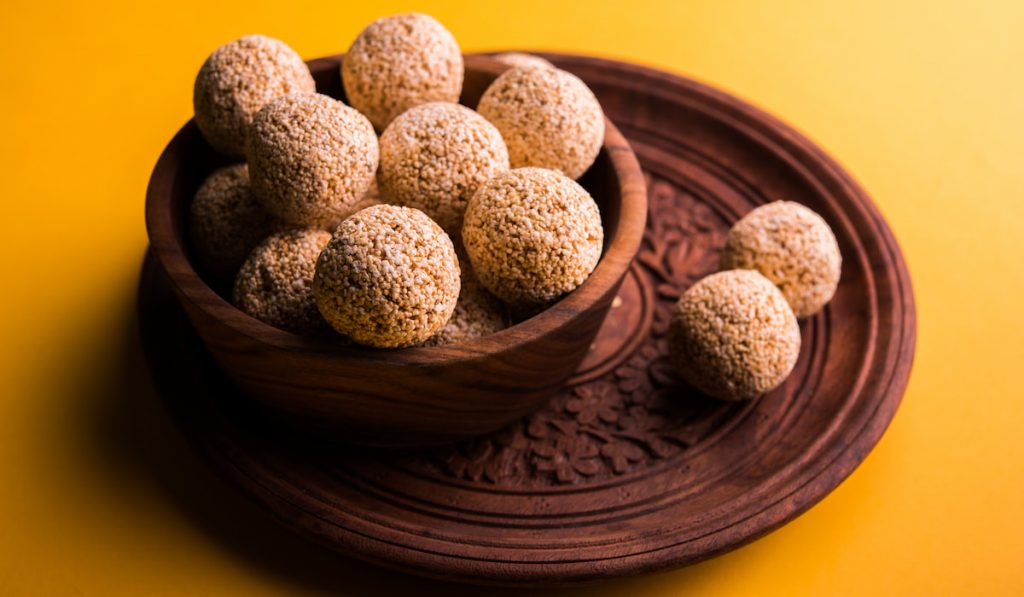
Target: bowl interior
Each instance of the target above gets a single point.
(615, 184)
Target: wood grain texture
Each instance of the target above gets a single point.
(625, 470)
(408, 397)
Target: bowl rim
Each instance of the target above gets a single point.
(613, 265)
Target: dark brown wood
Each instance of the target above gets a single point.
(407, 397)
(625, 470)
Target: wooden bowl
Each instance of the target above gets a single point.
(413, 396)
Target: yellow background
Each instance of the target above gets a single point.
(923, 102)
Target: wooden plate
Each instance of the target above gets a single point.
(626, 470)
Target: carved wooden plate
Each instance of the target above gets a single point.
(626, 470)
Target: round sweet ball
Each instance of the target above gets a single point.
(275, 284)
(435, 156)
(388, 278)
(520, 59)
(477, 313)
(733, 335)
(225, 221)
(399, 62)
(237, 80)
(311, 158)
(532, 235)
(549, 118)
(793, 247)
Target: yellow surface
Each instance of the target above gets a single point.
(921, 101)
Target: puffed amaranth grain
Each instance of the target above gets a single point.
(311, 158)
(275, 284)
(477, 313)
(520, 59)
(226, 221)
(549, 119)
(532, 235)
(389, 277)
(237, 80)
(435, 156)
(401, 61)
(733, 335)
(793, 247)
